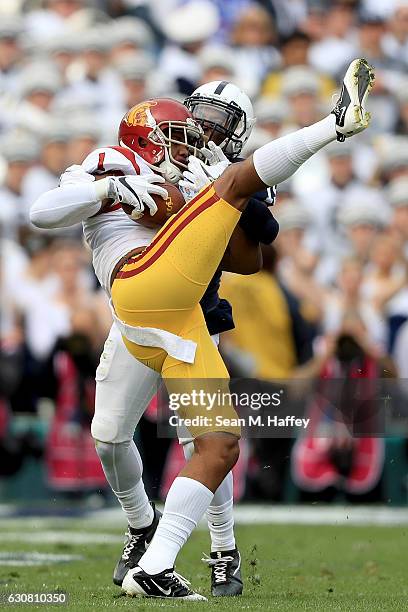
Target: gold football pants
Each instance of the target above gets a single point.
(162, 287)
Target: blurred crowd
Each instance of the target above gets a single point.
(334, 286)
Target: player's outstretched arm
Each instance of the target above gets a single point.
(279, 159)
(65, 206)
(81, 199)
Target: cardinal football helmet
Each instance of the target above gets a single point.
(225, 113)
(152, 127)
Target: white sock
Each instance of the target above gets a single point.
(123, 469)
(186, 502)
(220, 516)
(278, 160)
(135, 504)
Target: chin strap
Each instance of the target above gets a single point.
(171, 173)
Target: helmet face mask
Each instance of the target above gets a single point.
(163, 132)
(223, 122)
(225, 113)
(188, 135)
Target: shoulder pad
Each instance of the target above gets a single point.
(106, 159)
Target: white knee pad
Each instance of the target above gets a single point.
(124, 389)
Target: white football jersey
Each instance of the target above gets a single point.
(111, 233)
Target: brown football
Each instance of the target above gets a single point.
(165, 208)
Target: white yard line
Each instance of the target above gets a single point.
(255, 514)
(24, 559)
(60, 537)
(246, 514)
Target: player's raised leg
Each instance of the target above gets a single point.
(279, 159)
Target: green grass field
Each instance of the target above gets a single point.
(285, 567)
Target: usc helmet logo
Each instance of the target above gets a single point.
(140, 115)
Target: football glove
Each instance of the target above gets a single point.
(199, 174)
(132, 190)
(214, 155)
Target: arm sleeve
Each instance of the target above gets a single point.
(65, 206)
(258, 222)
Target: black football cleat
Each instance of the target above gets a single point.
(136, 543)
(226, 579)
(165, 585)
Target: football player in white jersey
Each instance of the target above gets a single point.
(155, 574)
(124, 386)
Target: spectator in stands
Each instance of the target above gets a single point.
(11, 53)
(347, 300)
(38, 86)
(129, 36)
(340, 450)
(335, 187)
(296, 262)
(134, 70)
(11, 336)
(393, 160)
(137, 79)
(187, 28)
(314, 22)
(300, 86)
(253, 37)
(53, 161)
(401, 126)
(387, 275)
(33, 294)
(217, 63)
(62, 50)
(398, 198)
(294, 51)
(386, 284)
(363, 217)
(271, 115)
(337, 41)
(75, 298)
(83, 139)
(94, 81)
(371, 34)
(396, 39)
(54, 17)
(19, 152)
